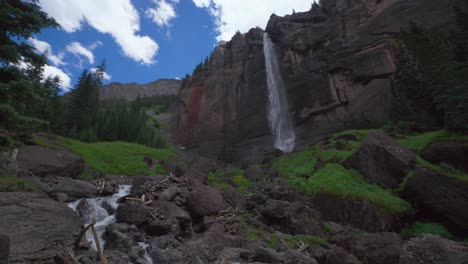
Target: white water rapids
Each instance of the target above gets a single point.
(98, 209)
(278, 116)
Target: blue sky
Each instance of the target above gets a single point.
(145, 40)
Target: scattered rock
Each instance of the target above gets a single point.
(49, 162)
(451, 152)
(379, 248)
(381, 160)
(170, 193)
(295, 257)
(205, 200)
(338, 255)
(234, 199)
(76, 189)
(431, 249)
(265, 255)
(4, 249)
(141, 184)
(8, 166)
(38, 227)
(439, 196)
(160, 227)
(254, 173)
(199, 168)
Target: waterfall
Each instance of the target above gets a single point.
(278, 116)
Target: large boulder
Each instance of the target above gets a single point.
(4, 249)
(439, 196)
(381, 160)
(431, 249)
(451, 152)
(205, 200)
(379, 248)
(50, 162)
(133, 213)
(73, 189)
(360, 213)
(39, 228)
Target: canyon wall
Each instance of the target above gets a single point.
(337, 61)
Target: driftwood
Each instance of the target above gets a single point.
(80, 235)
(102, 259)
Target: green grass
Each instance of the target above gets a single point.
(404, 182)
(231, 178)
(313, 241)
(419, 228)
(328, 229)
(419, 142)
(304, 163)
(13, 184)
(118, 158)
(442, 170)
(335, 180)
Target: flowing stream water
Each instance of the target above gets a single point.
(101, 211)
(278, 116)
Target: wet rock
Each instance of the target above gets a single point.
(74, 189)
(108, 207)
(205, 200)
(4, 249)
(49, 162)
(199, 168)
(431, 249)
(132, 213)
(118, 238)
(381, 160)
(379, 248)
(439, 196)
(338, 255)
(38, 227)
(453, 153)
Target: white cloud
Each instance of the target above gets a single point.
(77, 49)
(95, 44)
(105, 75)
(231, 16)
(45, 48)
(163, 13)
(65, 80)
(118, 18)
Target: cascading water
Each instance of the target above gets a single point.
(102, 212)
(278, 116)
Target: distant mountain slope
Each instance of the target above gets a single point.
(130, 91)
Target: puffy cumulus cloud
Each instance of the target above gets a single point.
(45, 48)
(105, 75)
(77, 49)
(231, 16)
(65, 80)
(118, 18)
(163, 13)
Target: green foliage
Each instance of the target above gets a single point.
(118, 158)
(13, 184)
(328, 229)
(312, 241)
(231, 178)
(419, 228)
(419, 142)
(442, 170)
(431, 82)
(404, 182)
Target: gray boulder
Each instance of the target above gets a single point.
(55, 186)
(49, 162)
(431, 249)
(205, 200)
(132, 213)
(381, 160)
(379, 248)
(38, 227)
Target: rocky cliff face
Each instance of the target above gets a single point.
(130, 91)
(337, 62)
